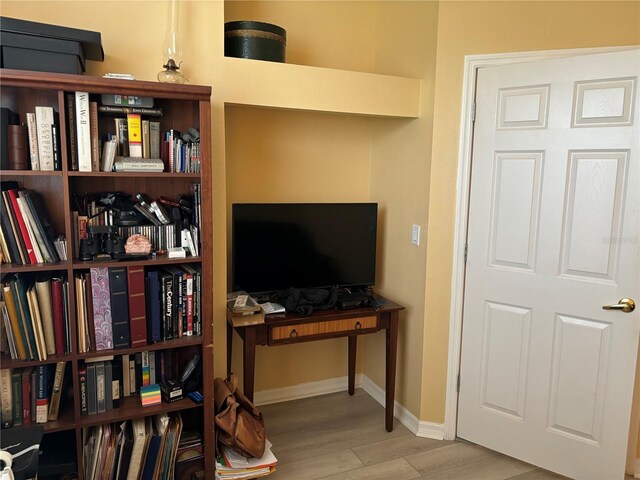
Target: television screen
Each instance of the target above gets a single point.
(303, 245)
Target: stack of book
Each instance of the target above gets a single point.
(181, 152)
(231, 465)
(26, 235)
(32, 394)
(36, 146)
(35, 317)
(133, 145)
(122, 307)
(104, 381)
(143, 448)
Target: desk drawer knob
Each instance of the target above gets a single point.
(293, 333)
(358, 325)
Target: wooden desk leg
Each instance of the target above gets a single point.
(249, 360)
(392, 350)
(229, 346)
(353, 343)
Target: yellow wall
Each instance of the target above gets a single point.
(466, 28)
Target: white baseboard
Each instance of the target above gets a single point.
(339, 384)
(304, 390)
(408, 419)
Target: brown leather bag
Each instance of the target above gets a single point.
(239, 425)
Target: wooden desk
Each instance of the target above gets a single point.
(282, 329)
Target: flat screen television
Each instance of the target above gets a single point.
(276, 246)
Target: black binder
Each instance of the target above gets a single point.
(119, 307)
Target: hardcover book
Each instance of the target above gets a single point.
(95, 140)
(44, 120)
(137, 310)
(56, 393)
(72, 136)
(135, 135)
(119, 307)
(102, 312)
(33, 141)
(83, 131)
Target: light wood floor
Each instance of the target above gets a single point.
(337, 437)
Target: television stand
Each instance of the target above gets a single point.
(287, 328)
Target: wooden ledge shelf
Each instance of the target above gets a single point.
(80, 265)
(300, 87)
(33, 267)
(165, 345)
(130, 407)
(135, 175)
(65, 421)
(30, 173)
(7, 362)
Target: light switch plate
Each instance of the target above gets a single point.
(415, 234)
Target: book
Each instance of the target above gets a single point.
(126, 381)
(7, 117)
(16, 328)
(135, 135)
(154, 139)
(57, 156)
(83, 131)
(72, 150)
(7, 232)
(92, 399)
(108, 385)
(146, 373)
(95, 140)
(83, 344)
(6, 398)
(145, 139)
(22, 307)
(41, 224)
(82, 381)
(26, 395)
(101, 403)
(42, 394)
(44, 120)
(22, 225)
(18, 148)
(122, 136)
(131, 164)
(109, 154)
(57, 307)
(22, 208)
(119, 307)
(153, 306)
(149, 112)
(33, 141)
(56, 393)
(43, 291)
(102, 308)
(36, 321)
(137, 306)
(16, 390)
(139, 447)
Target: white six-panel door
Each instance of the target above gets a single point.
(547, 375)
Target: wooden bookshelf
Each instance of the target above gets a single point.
(183, 106)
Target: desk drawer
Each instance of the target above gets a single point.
(291, 332)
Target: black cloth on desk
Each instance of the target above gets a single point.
(304, 301)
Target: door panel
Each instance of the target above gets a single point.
(546, 374)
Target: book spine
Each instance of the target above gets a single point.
(13, 197)
(92, 399)
(132, 374)
(167, 307)
(154, 139)
(108, 386)
(138, 370)
(145, 139)
(100, 388)
(16, 327)
(153, 299)
(189, 283)
(95, 140)
(56, 393)
(146, 373)
(33, 141)
(137, 310)
(7, 230)
(30, 232)
(42, 397)
(126, 382)
(57, 304)
(151, 112)
(16, 389)
(43, 291)
(26, 396)
(22, 307)
(116, 381)
(72, 135)
(119, 307)
(6, 398)
(17, 143)
(83, 129)
(152, 368)
(84, 406)
(102, 308)
(15, 229)
(34, 396)
(57, 156)
(44, 120)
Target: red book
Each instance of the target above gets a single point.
(137, 308)
(57, 303)
(13, 197)
(189, 301)
(26, 395)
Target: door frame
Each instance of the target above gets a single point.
(463, 184)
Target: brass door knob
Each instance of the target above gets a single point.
(625, 304)
(358, 325)
(293, 333)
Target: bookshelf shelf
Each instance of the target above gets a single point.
(183, 106)
(79, 265)
(166, 345)
(29, 173)
(36, 267)
(130, 407)
(134, 175)
(7, 362)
